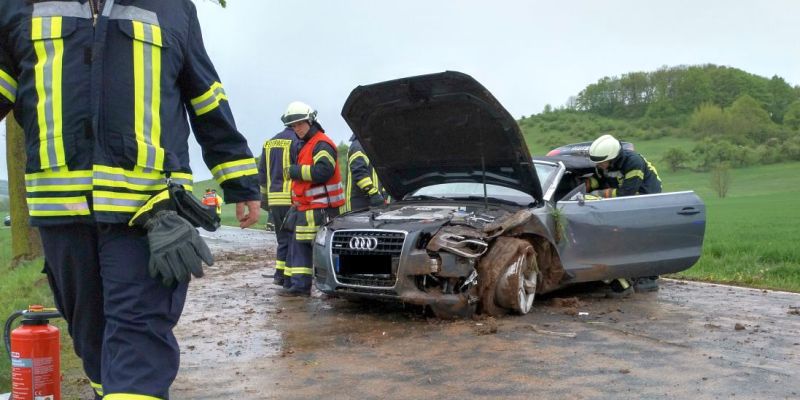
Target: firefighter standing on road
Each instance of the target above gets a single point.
(317, 193)
(99, 91)
(277, 155)
(363, 187)
(621, 173)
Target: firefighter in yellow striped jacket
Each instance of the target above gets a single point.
(363, 188)
(277, 155)
(102, 90)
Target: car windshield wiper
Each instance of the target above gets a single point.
(424, 197)
(480, 198)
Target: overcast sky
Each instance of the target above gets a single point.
(527, 53)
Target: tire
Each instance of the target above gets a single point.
(508, 277)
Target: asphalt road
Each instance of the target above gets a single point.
(689, 340)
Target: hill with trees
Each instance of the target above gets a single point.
(722, 115)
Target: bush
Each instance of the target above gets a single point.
(675, 158)
(721, 179)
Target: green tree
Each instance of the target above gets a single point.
(750, 122)
(341, 151)
(721, 179)
(709, 120)
(675, 158)
(791, 118)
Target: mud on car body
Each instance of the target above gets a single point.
(481, 226)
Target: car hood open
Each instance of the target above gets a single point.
(439, 128)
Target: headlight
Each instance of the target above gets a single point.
(322, 236)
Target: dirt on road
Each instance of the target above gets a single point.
(240, 340)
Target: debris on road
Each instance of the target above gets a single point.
(739, 327)
(551, 333)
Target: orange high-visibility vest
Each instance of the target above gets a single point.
(308, 195)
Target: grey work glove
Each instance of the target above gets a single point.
(376, 200)
(176, 249)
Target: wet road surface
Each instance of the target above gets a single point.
(240, 340)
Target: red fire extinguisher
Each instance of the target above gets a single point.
(34, 348)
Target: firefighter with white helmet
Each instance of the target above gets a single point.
(317, 194)
(622, 172)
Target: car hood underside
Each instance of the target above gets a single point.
(439, 128)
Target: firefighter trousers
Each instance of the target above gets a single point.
(305, 225)
(120, 319)
(277, 215)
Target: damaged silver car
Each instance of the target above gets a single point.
(478, 225)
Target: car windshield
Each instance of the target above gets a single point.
(473, 189)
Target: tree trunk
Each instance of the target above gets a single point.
(25, 241)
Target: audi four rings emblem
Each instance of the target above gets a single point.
(363, 243)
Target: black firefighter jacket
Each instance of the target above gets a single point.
(103, 99)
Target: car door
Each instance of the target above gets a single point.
(632, 236)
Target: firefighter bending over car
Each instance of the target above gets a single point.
(277, 155)
(619, 173)
(363, 188)
(317, 194)
(102, 91)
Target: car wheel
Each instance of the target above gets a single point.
(507, 277)
(516, 288)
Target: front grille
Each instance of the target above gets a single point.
(367, 268)
(389, 243)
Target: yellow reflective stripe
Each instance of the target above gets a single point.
(651, 167)
(309, 231)
(636, 173)
(118, 202)
(363, 183)
(324, 154)
(285, 145)
(8, 86)
(147, 95)
(356, 155)
(287, 272)
(300, 271)
(375, 182)
(164, 195)
(279, 199)
(58, 181)
(58, 66)
(38, 68)
(305, 172)
(47, 80)
(138, 92)
(137, 179)
(263, 189)
(280, 265)
(286, 162)
(129, 396)
(98, 388)
(58, 206)
(234, 169)
(209, 100)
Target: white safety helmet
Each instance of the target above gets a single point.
(604, 148)
(298, 111)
